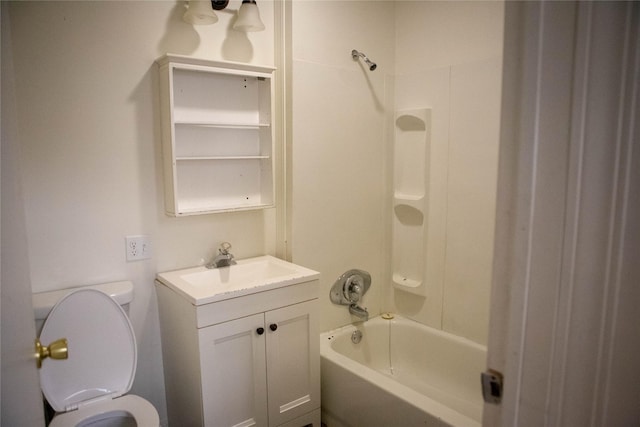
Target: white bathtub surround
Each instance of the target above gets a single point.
(338, 151)
(400, 373)
(411, 179)
(455, 73)
(459, 193)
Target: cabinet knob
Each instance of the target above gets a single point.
(273, 326)
(260, 331)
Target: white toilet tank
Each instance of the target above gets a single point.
(43, 302)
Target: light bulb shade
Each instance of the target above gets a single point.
(200, 13)
(248, 17)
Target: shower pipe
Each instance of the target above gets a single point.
(355, 55)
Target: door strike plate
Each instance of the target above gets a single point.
(492, 386)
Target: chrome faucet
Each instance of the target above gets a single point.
(353, 292)
(224, 257)
(349, 290)
(358, 311)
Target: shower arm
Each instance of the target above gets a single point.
(356, 55)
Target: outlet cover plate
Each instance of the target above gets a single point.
(138, 247)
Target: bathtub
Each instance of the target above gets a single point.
(400, 374)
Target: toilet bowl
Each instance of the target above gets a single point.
(89, 387)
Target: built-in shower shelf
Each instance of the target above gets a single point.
(405, 282)
(410, 200)
(411, 152)
(413, 120)
(217, 135)
(408, 197)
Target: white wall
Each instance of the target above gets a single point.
(339, 217)
(449, 58)
(88, 123)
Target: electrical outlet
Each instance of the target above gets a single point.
(138, 247)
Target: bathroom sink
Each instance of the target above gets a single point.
(201, 285)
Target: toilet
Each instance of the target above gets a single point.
(89, 387)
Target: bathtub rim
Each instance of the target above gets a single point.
(401, 391)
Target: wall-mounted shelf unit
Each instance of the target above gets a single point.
(411, 154)
(217, 135)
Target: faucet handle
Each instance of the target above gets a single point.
(224, 248)
(350, 287)
(353, 288)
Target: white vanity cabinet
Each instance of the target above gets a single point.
(217, 135)
(248, 359)
(252, 360)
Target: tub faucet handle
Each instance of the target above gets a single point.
(350, 287)
(353, 288)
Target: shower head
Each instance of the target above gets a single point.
(355, 55)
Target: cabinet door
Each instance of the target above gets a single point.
(293, 360)
(234, 383)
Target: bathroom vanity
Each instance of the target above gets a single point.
(240, 344)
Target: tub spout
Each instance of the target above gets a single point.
(358, 311)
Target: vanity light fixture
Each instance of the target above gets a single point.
(201, 12)
(248, 17)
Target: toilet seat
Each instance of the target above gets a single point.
(134, 406)
(101, 364)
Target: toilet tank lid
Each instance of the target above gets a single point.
(43, 302)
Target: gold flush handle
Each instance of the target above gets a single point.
(56, 350)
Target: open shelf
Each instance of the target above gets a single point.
(222, 125)
(406, 282)
(217, 135)
(222, 158)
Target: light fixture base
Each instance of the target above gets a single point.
(219, 4)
